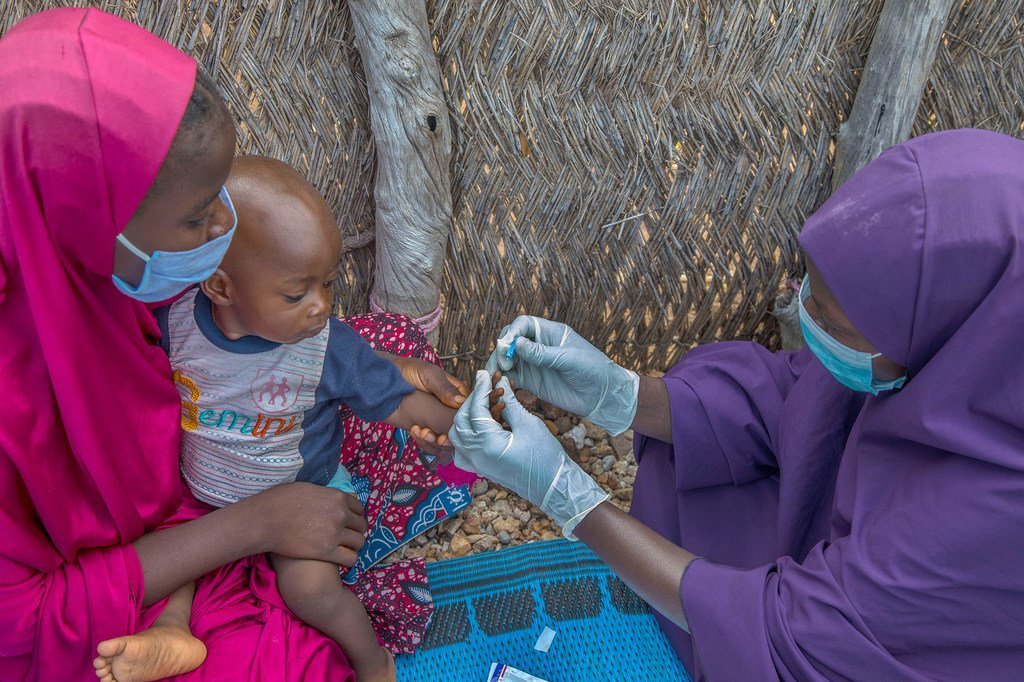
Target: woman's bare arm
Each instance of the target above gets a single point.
(653, 414)
(644, 560)
(297, 519)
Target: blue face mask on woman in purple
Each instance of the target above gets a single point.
(852, 368)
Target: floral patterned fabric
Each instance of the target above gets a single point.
(402, 497)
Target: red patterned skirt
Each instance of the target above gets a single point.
(401, 496)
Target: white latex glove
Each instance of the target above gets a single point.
(560, 366)
(527, 460)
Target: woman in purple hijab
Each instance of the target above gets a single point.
(851, 511)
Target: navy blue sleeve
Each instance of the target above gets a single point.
(353, 373)
(161, 314)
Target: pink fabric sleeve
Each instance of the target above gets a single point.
(66, 611)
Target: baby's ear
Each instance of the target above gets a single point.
(218, 288)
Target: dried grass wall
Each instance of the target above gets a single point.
(637, 168)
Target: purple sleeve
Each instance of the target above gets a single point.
(353, 373)
(726, 402)
(926, 584)
(790, 621)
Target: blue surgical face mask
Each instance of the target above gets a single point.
(168, 273)
(853, 369)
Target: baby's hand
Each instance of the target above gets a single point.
(497, 405)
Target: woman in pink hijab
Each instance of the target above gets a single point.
(105, 130)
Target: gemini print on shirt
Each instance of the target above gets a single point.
(242, 413)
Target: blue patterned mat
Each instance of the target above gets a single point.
(492, 608)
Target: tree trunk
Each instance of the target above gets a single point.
(413, 138)
(900, 60)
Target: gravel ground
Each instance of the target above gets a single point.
(499, 518)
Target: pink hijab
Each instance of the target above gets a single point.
(89, 431)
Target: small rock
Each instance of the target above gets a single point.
(454, 526)
(623, 443)
(550, 411)
(602, 449)
(620, 467)
(588, 442)
(551, 427)
(508, 525)
(471, 526)
(460, 546)
(485, 544)
(504, 538)
(569, 445)
(603, 479)
(475, 538)
(527, 400)
(502, 507)
(608, 462)
(564, 424)
(501, 495)
(578, 434)
(480, 487)
(488, 516)
(594, 431)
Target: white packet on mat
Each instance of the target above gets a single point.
(506, 673)
(545, 639)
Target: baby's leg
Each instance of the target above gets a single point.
(165, 649)
(314, 592)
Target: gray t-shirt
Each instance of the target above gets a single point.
(258, 413)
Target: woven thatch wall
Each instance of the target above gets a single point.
(638, 168)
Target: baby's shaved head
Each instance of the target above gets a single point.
(270, 179)
(283, 221)
(277, 280)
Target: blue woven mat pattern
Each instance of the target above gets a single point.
(492, 608)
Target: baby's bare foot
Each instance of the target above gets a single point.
(153, 654)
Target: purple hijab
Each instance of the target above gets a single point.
(866, 538)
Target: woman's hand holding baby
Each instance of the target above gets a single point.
(307, 521)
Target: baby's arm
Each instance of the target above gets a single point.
(422, 409)
(418, 410)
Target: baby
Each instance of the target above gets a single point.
(262, 369)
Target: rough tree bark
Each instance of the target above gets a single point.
(412, 134)
(901, 57)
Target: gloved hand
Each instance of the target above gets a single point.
(561, 367)
(529, 460)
